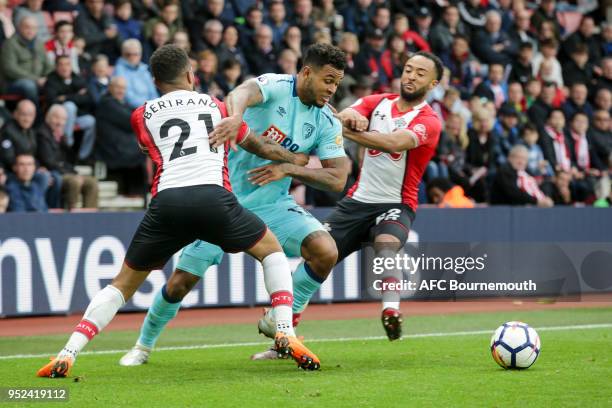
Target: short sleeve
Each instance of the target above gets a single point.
(272, 85)
(366, 105)
(331, 143)
(138, 125)
(426, 128)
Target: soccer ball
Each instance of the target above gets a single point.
(515, 345)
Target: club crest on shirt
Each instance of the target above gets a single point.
(420, 131)
(307, 130)
(263, 79)
(399, 123)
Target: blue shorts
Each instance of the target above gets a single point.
(286, 219)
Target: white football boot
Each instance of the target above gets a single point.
(138, 355)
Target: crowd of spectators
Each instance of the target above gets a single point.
(525, 99)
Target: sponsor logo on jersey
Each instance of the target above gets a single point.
(420, 131)
(307, 130)
(263, 79)
(281, 111)
(275, 134)
(339, 139)
(393, 156)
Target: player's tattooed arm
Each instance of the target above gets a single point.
(236, 102)
(396, 141)
(268, 149)
(331, 177)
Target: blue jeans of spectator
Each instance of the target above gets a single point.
(28, 88)
(87, 123)
(54, 192)
(436, 170)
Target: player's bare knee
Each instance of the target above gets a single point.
(320, 252)
(180, 284)
(266, 246)
(386, 242)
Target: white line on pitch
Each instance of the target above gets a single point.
(369, 338)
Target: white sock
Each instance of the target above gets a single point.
(99, 313)
(277, 276)
(390, 298)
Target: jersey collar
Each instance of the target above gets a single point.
(395, 109)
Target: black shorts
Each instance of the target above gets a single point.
(178, 216)
(353, 223)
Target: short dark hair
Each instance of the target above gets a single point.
(168, 62)
(553, 110)
(528, 127)
(318, 55)
(437, 62)
(526, 45)
(442, 183)
(229, 64)
(61, 57)
(60, 24)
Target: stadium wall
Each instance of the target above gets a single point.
(55, 263)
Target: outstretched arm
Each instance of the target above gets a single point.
(331, 177)
(396, 141)
(271, 150)
(236, 102)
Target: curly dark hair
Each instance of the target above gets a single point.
(434, 58)
(318, 55)
(168, 63)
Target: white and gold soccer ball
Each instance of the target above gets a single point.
(515, 345)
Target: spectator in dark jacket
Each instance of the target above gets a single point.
(127, 25)
(99, 78)
(601, 134)
(522, 70)
(482, 154)
(578, 68)
(514, 186)
(262, 58)
(159, 36)
(53, 153)
(492, 45)
(442, 33)
(461, 63)
(26, 188)
(18, 136)
(230, 48)
(117, 146)
(584, 35)
(577, 101)
(95, 26)
(69, 89)
(547, 13)
(540, 109)
(369, 60)
(520, 32)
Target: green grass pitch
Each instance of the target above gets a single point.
(443, 361)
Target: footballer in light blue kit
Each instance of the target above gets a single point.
(299, 128)
(291, 111)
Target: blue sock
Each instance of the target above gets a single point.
(305, 284)
(160, 313)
